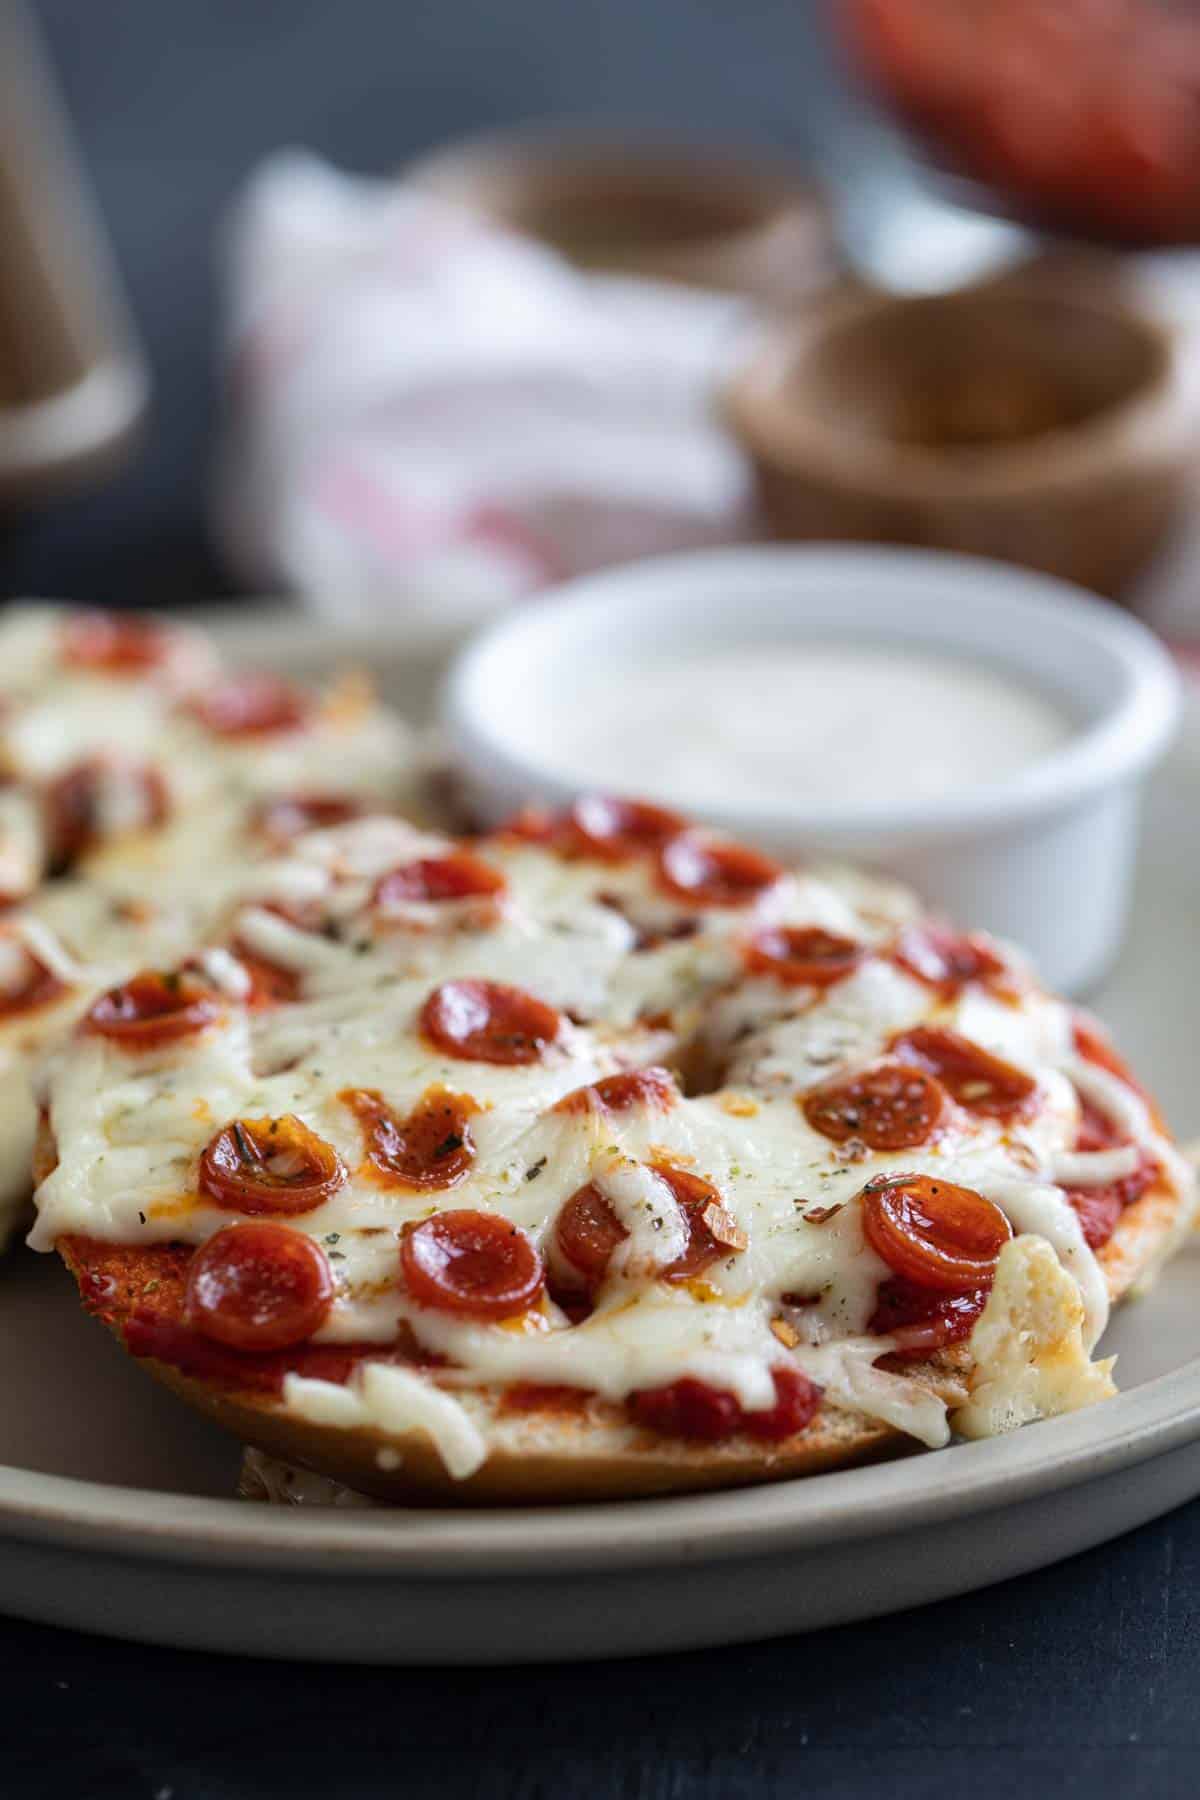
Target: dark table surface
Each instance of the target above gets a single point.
(1074, 1681)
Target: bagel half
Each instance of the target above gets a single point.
(883, 1149)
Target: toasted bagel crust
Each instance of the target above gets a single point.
(537, 1454)
(546, 1454)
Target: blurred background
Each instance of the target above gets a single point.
(329, 372)
(173, 106)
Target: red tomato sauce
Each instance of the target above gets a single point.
(693, 1410)
(141, 1292)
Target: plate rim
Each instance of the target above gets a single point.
(887, 1498)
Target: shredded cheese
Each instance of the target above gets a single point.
(1029, 1347)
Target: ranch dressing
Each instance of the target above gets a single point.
(790, 725)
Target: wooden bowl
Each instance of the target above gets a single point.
(709, 218)
(1038, 423)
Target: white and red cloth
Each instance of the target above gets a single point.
(430, 417)
(428, 413)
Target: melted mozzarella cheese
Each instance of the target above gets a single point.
(1030, 1346)
(802, 1036)
(38, 940)
(879, 907)
(648, 1213)
(847, 1371)
(1095, 1168)
(120, 801)
(22, 847)
(382, 1398)
(226, 973)
(646, 1341)
(80, 718)
(139, 1123)
(29, 648)
(369, 753)
(365, 848)
(1046, 1212)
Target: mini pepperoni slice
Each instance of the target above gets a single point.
(587, 1233)
(431, 1148)
(270, 1166)
(152, 1009)
(97, 799)
(282, 820)
(251, 705)
(26, 982)
(922, 1320)
(534, 825)
(694, 1410)
(270, 983)
(710, 1236)
(1093, 1045)
(118, 644)
(933, 1233)
(588, 1230)
(950, 961)
(597, 825)
(258, 1287)
(1096, 1131)
(474, 1263)
(615, 829)
(891, 1107)
(983, 1083)
(654, 1088)
(802, 955)
(485, 1021)
(713, 873)
(1099, 1209)
(461, 875)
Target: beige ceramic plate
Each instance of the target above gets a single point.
(114, 1508)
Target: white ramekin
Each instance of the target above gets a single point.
(1044, 858)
